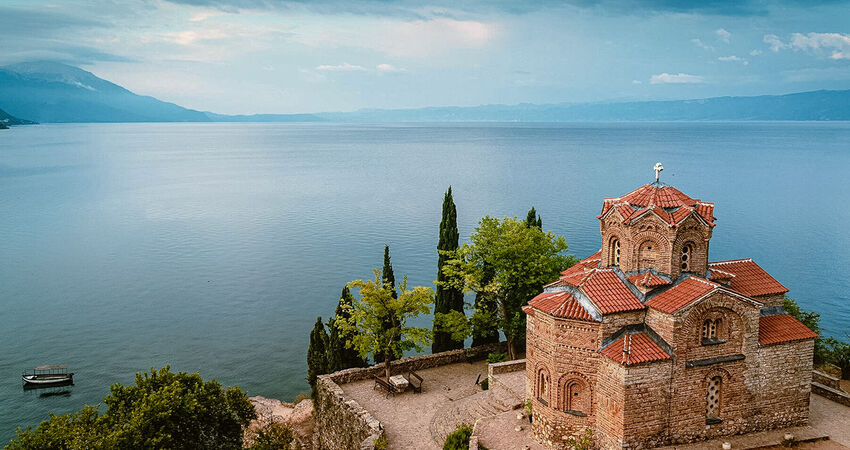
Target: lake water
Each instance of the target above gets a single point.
(213, 247)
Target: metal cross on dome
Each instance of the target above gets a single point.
(658, 168)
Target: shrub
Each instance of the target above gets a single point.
(300, 397)
(273, 437)
(162, 410)
(494, 358)
(459, 438)
(585, 442)
(381, 443)
(485, 384)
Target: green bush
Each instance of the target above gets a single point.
(273, 437)
(459, 438)
(485, 384)
(585, 442)
(300, 397)
(381, 443)
(162, 410)
(494, 358)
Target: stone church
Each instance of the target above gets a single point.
(648, 343)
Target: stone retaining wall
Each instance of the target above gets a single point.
(826, 380)
(342, 424)
(830, 393)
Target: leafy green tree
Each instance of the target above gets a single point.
(340, 356)
(509, 262)
(811, 320)
(317, 355)
(162, 410)
(839, 354)
(484, 330)
(533, 220)
(366, 328)
(448, 298)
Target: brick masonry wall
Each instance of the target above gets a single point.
(564, 351)
(651, 242)
(785, 384)
(610, 400)
(646, 416)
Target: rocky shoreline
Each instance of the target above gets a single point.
(275, 412)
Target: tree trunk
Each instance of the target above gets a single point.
(387, 361)
(511, 349)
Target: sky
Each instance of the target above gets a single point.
(293, 56)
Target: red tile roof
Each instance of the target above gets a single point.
(640, 349)
(681, 295)
(717, 274)
(560, 304)
(782, 328)
(669, 203)
(748, 278)
(609, 293)
(648, 279)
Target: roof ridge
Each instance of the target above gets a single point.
(729, 261)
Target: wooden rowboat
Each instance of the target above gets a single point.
(46, 376)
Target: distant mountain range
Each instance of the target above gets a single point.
(54, 92)
(7, 119)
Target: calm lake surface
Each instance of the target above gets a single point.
(213, 247)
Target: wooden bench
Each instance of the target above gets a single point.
(415, 382)
(385, 385)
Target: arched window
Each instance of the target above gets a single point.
(711, 331)
(687, 256)
(712, 398)
(572, 402)
(543, 387)
(615, 252)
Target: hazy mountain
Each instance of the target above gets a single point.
(8, 119)
(265, 118)
(816, 105)
(53, 92)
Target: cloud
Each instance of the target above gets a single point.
(733, 58)
(723, 35)
(344, 67)
(755, 52)
(637, 82)
(839, 43)
(702, 45)
(836, 43)
(416, 9)
(679, 78)
(775, 43)
(389, 68)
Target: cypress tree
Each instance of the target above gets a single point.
(388, 278)
(447, 299)
(339, 356)
(317, 355)
(533, 220)
(387, 275)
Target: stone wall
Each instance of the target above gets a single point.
(826, 380)
(342, 424)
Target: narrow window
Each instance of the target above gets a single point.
(712, 400)
(687, 256)
(615, 252)
(710, 331)
(543, 388)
